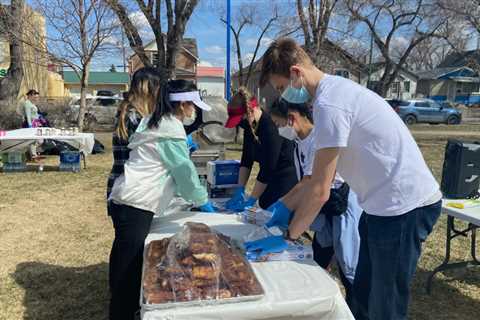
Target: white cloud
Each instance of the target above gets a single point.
(205, 63)
(265, 42)
(214, 49)
(141, 23)
(248, 58)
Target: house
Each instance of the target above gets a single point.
(336, 61)
(211, 81)
(455, 79)
(35, 73)
(185, 62)
(403, 87)
(117, 82)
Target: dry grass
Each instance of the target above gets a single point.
(56, 239)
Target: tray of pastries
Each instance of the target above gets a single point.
(196, 266)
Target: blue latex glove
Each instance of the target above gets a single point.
(191, 144)
(281, 215)
(237, 198)
(240, 206)
(266, 245)
(208, 207)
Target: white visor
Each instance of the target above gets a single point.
(192, 96)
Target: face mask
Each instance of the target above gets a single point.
(188, 121)
(288, 132)
(294, 95)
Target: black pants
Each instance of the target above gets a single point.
(131, 228)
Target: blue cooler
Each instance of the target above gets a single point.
(223, 172)
(70, 161)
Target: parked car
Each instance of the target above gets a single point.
(396, 104)
(101, 110)
(426, 111)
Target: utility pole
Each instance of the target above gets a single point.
(228, 85)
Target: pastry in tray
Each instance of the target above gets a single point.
(196, 264)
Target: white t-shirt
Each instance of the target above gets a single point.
(304, 157)
(379, 158)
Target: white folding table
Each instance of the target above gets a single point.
(293, 289)
(472, 217)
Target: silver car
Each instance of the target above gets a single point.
(101, 110)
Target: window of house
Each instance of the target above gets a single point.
(406, 86)
(342, 73)
(467, 87)
(395, 87)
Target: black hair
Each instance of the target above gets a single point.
(32, 92)
(164, 105)
(280, 108)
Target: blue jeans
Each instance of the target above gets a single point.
(389, 252)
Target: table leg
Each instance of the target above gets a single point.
(84, 160)
(447, 255)
(452, 233)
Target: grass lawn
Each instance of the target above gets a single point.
(56, 239)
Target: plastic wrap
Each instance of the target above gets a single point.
(196, 266)
(255, 216)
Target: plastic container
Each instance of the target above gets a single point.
(69, 161)
(14, 162)
(223, 172)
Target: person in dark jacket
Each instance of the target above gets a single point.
(262, 144)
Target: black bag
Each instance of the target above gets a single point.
(98, 147)
(337, 204)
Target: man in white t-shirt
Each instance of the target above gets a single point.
(359, 135)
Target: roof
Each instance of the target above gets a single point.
(98, 77)
(188, 44)
(438, 73)
(215, 72)
(379, 65)
(460, 59)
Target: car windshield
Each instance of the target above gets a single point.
(107, 102)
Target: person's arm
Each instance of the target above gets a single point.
(175, 156)
(258, 189)
(294, 196)
(28, 112)
(316, 192)
(246, 162)
(244, 175)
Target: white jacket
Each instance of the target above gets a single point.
(159, 167)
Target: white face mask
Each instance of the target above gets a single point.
(288, 132)
(188, 121)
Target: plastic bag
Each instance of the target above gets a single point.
(197, 266)
(255, 216)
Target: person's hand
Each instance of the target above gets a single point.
(281, 215)
(242, 205)
(266, 245)
(191, 144)
(237, 198)
(208, 207)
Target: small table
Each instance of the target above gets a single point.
(21, 139)
(472, 217)
(293, 289)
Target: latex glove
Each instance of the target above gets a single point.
(191, 144)
(208, 207)
(281, 215)
(266, 245)
(240, 206)
(238, 197)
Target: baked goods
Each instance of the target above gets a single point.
(196, 264)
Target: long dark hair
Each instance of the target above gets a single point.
(164, 105)
(280, 108)
(141, 97)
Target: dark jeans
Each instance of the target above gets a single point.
(389, 252)
(131, 228)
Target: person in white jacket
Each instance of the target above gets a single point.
(158, 168)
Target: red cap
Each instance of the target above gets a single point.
(236, 113)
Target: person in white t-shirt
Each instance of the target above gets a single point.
(359, 136)
(336, 225)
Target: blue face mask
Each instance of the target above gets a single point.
(294, 95)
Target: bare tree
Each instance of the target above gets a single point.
(249, 16)
(81, 30)
(10, 17)
(467, 14)
(412, 21)
(176, 15)
(314, 21)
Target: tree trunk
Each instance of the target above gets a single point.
(83, 97)
(10, 85)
